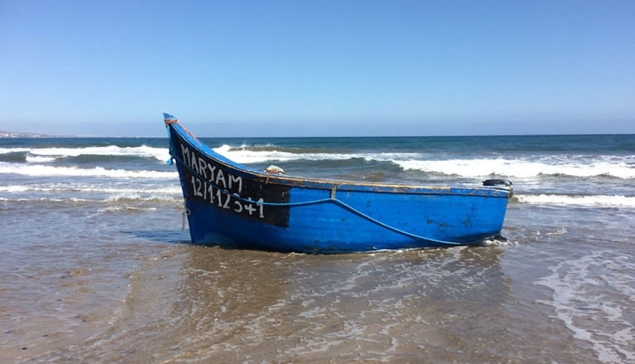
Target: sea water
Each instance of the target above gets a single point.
(97, 266)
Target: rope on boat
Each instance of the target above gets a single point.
(331, 199)
(186, 212)
(169, 120)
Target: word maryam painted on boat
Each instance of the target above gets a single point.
(210, 172)
(218, 187)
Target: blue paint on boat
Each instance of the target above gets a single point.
(232, 205)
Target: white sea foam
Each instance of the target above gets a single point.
(13, 150)
(133, 198)
(75, 187)
(52, 171)
(247, 156)
(161, 154)
(580, 288)
(38, 159)
(78, 192)
(129, 196)
(14, 189)
(581, 200)
(527, 167)
(521, 168)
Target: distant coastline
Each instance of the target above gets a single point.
(11, 134)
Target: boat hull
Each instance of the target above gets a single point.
(236, 206)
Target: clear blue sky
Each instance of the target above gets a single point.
(304, 68)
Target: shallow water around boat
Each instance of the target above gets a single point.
(96, 268)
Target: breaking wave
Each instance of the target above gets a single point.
(578, 200)
(622, 167)
(39, 155)
(39, 170)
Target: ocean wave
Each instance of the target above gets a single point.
(578, 200)
(143, 151)
(52, 171)
(274, 154)
(39, 159)
(134, 197)
(521, 168)
(126, 208)
(579, 290)
(527, 166)
(13, 156)
(119, 199)
(72, 187)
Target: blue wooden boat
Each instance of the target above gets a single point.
(233, 205)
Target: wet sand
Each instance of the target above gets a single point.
(554, 292)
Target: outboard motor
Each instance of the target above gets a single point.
(499, 182)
